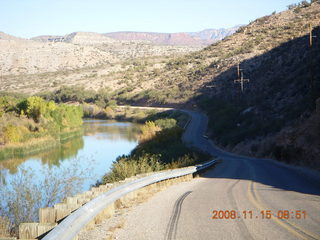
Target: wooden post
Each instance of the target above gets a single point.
(44, 228)
(28, 230)
(62, 211)
(103, 188)
(47, 215)
(71, 200)
(310, 33)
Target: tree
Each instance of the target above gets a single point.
(21, 198)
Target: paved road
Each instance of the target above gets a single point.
(250, 188)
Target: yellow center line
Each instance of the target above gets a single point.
(289, 226)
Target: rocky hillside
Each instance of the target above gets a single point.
(277, 104)
(74, 51)
(20, 56)
(275, 114)
(202, 38)
(90, 59)
(268, 43)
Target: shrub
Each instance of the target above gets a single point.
(164, 151)
(112, 103)
(166, 123)
(109, 112)
(67, 116)
(35, 107)
(11, 134)
(304, 4)
(125, 167)
(148, 131)
(291, 6)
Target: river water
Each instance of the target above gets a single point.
(91, 154)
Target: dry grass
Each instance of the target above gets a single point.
(112, 230)
(4, 228)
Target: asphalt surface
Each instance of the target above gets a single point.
(240, 198)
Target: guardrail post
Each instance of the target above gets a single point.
(44, 228)
(104, 188)
(88, 195)
(62, 211)
(47, 215)
(28, 230)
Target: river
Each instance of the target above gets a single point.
(91, 154)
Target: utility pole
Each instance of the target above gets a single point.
(311, 55)
(310, 31)
(240, 79)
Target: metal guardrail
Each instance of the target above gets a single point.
(76, 221)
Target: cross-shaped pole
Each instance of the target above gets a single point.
(239, 70)
(311, 56)
(242, 81)
(311, 35)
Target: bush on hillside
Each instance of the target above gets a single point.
(33, 117)
(166, 123)
(11, 134)
(148, 131)
(126, 166)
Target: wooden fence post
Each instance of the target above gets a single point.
(47, 215)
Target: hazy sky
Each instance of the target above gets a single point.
(28, 18)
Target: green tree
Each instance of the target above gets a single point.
(35, 107)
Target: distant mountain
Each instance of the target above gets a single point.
(202, 38)
(183, 39)
(194, 39)
(4, 36)
(82, 38)
(213, 35)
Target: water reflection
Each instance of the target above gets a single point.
(103, 141)
(111, 130)
(51, 157)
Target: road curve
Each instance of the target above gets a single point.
(262, 198)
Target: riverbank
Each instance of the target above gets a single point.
(160, 148)
(134, 113)
(119, 113)
(37, 145)
(30, 125)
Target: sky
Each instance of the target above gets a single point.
(30, 18)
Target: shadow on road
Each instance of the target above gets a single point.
(268, 172)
